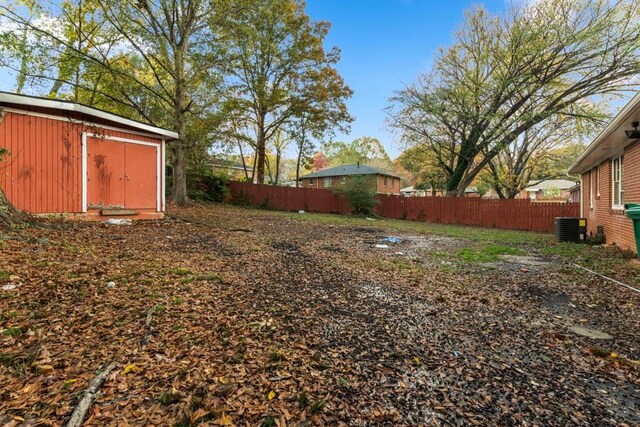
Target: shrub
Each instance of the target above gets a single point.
(203, 184)
(242, 199)
(206, 186)
(360, 192)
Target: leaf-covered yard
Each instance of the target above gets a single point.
(248, 317)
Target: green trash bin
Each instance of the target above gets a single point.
(633, 212)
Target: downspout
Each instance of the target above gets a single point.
(581, 200)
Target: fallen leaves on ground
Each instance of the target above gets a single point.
(247, 317)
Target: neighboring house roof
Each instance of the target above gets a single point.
(575, 187)
(349, 170)
(550, 184)
(611, 141)
(471, 190)
(408, 189)
(57, 104)
(227, 164)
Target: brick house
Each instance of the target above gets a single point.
(384, 182)
(610, 177)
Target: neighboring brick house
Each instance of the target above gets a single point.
(610, 177)
(550, 189)
(384, 182)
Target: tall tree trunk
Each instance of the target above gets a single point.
(261, 148)
(253, 171)
(244, 163)
(179, 190)
(298, 167)
(269, 169)
(278, 157)
(300, 148)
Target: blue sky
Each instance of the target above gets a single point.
(385, 44)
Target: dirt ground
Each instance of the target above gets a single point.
(247, 317)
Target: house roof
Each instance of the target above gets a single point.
(408, 189)
(550, 184)
(225, 163)
(349, 170)
(57, 104)
(611, 141)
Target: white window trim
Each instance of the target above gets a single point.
(327, 180)
(621, 193)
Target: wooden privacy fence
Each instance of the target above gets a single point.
(514, 214)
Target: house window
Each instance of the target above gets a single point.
(385, 181)
(393, 183)
(598, 181)
(327, 182)
(617, 171)
(343, 180)
(312, 182)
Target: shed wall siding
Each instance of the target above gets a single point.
(43, 171)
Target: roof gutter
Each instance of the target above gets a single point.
(617, 121)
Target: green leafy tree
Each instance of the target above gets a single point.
(506, 74)
(277, 70)
(360, 192)
(421, 162)
(366, 150)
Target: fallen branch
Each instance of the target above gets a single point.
(90, 394)
(147, 326)
(280, 378)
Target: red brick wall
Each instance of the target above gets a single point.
(618, 229)
(392, 187)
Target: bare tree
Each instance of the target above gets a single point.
(504, 75)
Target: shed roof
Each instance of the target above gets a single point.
(343, 170)
(57, 104)
(611, 141)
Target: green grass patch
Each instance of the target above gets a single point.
(181, 271)
(486, 253)
(276, 356)
(4, 275)
(15, 331)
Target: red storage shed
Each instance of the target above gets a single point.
(67, 158)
